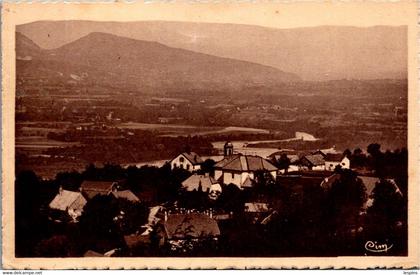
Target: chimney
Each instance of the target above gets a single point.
(60, 190)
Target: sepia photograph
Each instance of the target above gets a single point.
(191, 138)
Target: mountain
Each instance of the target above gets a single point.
(106, 59)
(313, 53)
(26, 48)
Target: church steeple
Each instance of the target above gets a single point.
(228, 149)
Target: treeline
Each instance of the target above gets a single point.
(105, 220)
(141, 146)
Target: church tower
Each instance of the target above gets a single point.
(228, 149)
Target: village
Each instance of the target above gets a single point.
(193, 206)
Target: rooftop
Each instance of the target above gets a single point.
(195, 225)
(245, 163)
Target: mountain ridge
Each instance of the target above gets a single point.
(313, 53)
(107, 58)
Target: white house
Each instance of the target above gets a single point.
(240, 169)
(189, 161)
(333, 160)
(70, 202)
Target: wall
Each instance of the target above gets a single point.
(184, 163)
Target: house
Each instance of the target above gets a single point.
(178, 229)
(92, 188)
(125, 194)
(292, 155)
(312, 162)
(189, 161)
(334, 160)
(199, 183)
(256, 211)
(70, 202)
(240, 169)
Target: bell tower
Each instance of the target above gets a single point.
(228, 149)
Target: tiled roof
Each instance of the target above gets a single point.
(194, 158)
(93, 188)
(225, 160)
(68, 200)
(245, 163)
(195, 225)
(193, 182)
(125, 194)
(315, 160)
(248, 182)
(333, 157)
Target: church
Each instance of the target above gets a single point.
(240, 169)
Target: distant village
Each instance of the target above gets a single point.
(213, 200)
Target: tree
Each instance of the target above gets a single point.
(357, 151)
(387, 216)
(98, 228)
(347, 153)
(388, 204)
(132, 215)
(343, 203)
(208, 166)
(30, 225)
(374, 149)
(231, 198)
(283, 162)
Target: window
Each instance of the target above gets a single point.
(181, 159)
(174, 165)
(182, 166)
(188, 166)
(233, 175)
(343, 163)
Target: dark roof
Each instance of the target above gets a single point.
(134, 240)
(245, 163)
(294, 158)
(333, 157)
(193, 182)
(315, 160)
(93, 188)
(195, 225)
(125, 194)
(248, 182)
(194, 158)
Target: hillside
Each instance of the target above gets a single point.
(100, 58)
(313, 53)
